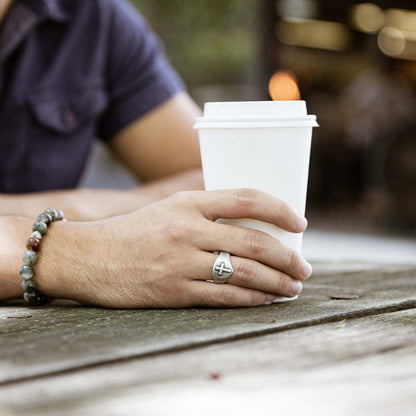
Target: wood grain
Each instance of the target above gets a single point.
(367, 367)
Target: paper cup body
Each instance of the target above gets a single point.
(274, 160)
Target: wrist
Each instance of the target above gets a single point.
(66, 259)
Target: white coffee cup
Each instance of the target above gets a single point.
(263, 145)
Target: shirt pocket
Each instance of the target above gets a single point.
(66, 112)
(59, 141)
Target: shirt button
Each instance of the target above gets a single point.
(69, 118)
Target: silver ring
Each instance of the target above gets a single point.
(222, 268)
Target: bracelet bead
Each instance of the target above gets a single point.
(27, 272)
(40, 226)
(37, 235)
(28, 285)
(46, 218)
(29, 297)
(33, 244)
(35, 298)
(29, 257)
(52, 212)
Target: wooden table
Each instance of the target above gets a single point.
(316, 355)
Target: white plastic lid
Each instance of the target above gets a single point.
(256, 114)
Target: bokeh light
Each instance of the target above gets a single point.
(367, 17)
(283, 86)
(391, 41)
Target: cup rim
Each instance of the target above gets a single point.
(254, 122)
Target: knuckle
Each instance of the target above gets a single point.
(226, 297)
(254, 241)
(285, 210)
(172, 230)
(257, 299)
(245, 198)
(180, 198)
(177, 231)
(246, 272)
(292, 258)
(280, 283)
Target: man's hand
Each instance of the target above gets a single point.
(162, 255)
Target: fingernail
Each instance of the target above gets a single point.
(306, 270)
(301, 223)
(296, 287)
(269, 299)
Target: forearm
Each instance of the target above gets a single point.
(78, 204)
(91, 204)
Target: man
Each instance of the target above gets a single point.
(72, 70)
(120, 90)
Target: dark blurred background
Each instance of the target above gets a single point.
(355, 65)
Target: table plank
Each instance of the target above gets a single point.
(364, 366)
(61, 338)
(370, 387)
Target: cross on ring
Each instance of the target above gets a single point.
(222, 268)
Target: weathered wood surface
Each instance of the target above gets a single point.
(363, 366)
(62, 338)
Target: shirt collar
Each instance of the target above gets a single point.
(52, 9)
(24, 15)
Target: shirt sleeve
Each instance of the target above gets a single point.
(139, 76)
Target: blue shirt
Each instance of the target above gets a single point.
(71, 71)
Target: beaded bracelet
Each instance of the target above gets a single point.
(30, 293)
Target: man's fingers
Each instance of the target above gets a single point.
(226, 295)
(254, 245)
(249, 203)
(248, 274)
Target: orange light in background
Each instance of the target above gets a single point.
(283, 86)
